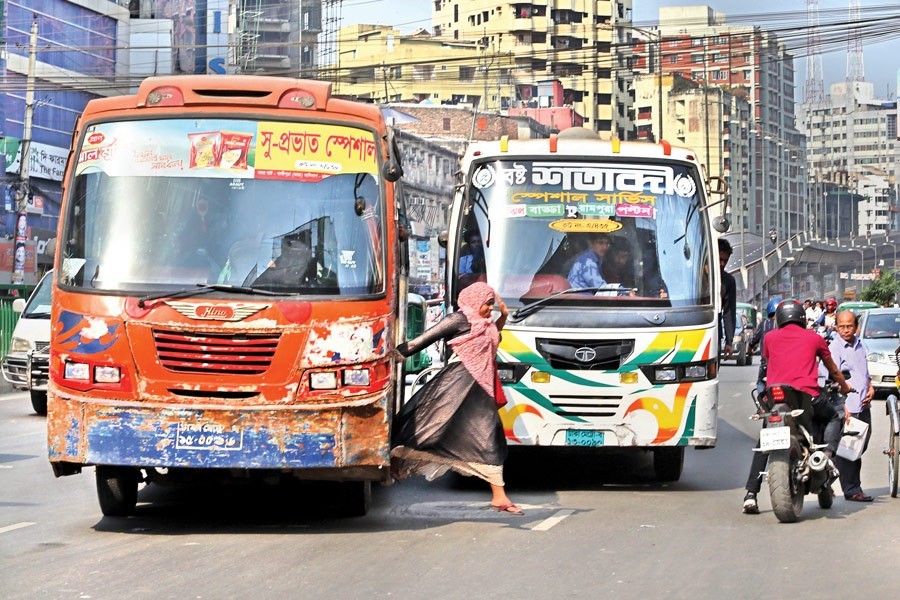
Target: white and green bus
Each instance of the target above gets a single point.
(624, 356)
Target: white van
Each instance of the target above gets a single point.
(27, 365)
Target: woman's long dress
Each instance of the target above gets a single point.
(451, 422)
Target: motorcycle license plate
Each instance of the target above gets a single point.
(775, 438)
(584, 437)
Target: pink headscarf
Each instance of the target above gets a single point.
(477, 349)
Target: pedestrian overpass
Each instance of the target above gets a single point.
(805, 267)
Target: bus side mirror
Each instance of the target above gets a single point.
(443, 237)
(393, 169)
(721, 224)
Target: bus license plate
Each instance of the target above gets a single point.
(584, 437)
(775, 438)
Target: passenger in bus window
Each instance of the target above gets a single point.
(293, 267)
(619, 264)
(471, 260)
(586, 270)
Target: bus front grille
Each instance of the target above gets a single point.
(215, 353)
(585, 355)
(586, 406)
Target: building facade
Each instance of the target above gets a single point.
(377, 63)
(79, 55)
(852, 141)
(696, 42)
(708, 119)
(577, 44)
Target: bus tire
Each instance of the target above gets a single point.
(39, 402)
(668, 463)
(117, 490)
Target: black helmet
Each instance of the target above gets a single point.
(790, 311)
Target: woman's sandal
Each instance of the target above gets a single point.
(510, 508)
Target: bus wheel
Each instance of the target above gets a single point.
(667, 463)
(117, 490)
(39, 402)
(353, 498)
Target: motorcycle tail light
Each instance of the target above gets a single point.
(774, 418)
(777, 394)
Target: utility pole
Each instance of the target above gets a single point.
(23, 191)
(659, 80)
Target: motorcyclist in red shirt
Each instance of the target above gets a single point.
(791, 354)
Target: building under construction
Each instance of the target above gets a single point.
(273, 37)
(285, 37)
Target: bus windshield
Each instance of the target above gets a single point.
(631, 233)
(169, 204)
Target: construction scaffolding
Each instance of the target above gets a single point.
(331, 25)
(268, 40)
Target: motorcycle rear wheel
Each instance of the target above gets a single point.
(787, 498)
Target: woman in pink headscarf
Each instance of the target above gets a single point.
(452, 421)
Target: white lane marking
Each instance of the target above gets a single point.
(9, 528)
(5, 466)
(737, 395)
(554, 520)
(14, 396)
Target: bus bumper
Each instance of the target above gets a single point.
(343, 443)
(665, 416)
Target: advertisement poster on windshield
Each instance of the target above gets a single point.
(226, 148)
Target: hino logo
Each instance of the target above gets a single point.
(585, 354)
(208, 311)
(217, 312)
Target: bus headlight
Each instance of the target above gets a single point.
(664, 374)
(678, 372)
(357, 377)
(512, 372)
(323, 380)
(78, 371)
(695, 372)
(107, 374)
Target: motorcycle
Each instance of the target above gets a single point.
(797, 462)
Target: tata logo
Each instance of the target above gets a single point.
(585, 354)
(217, 312)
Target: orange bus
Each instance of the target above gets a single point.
(230, 285)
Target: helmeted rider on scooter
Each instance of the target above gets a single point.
(790, 353)
(827, 322)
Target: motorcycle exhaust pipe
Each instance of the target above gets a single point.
(818, 461)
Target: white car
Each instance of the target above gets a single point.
(27, 365)
(879, 329)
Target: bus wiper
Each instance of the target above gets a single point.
(203, 288)
(531, 307)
